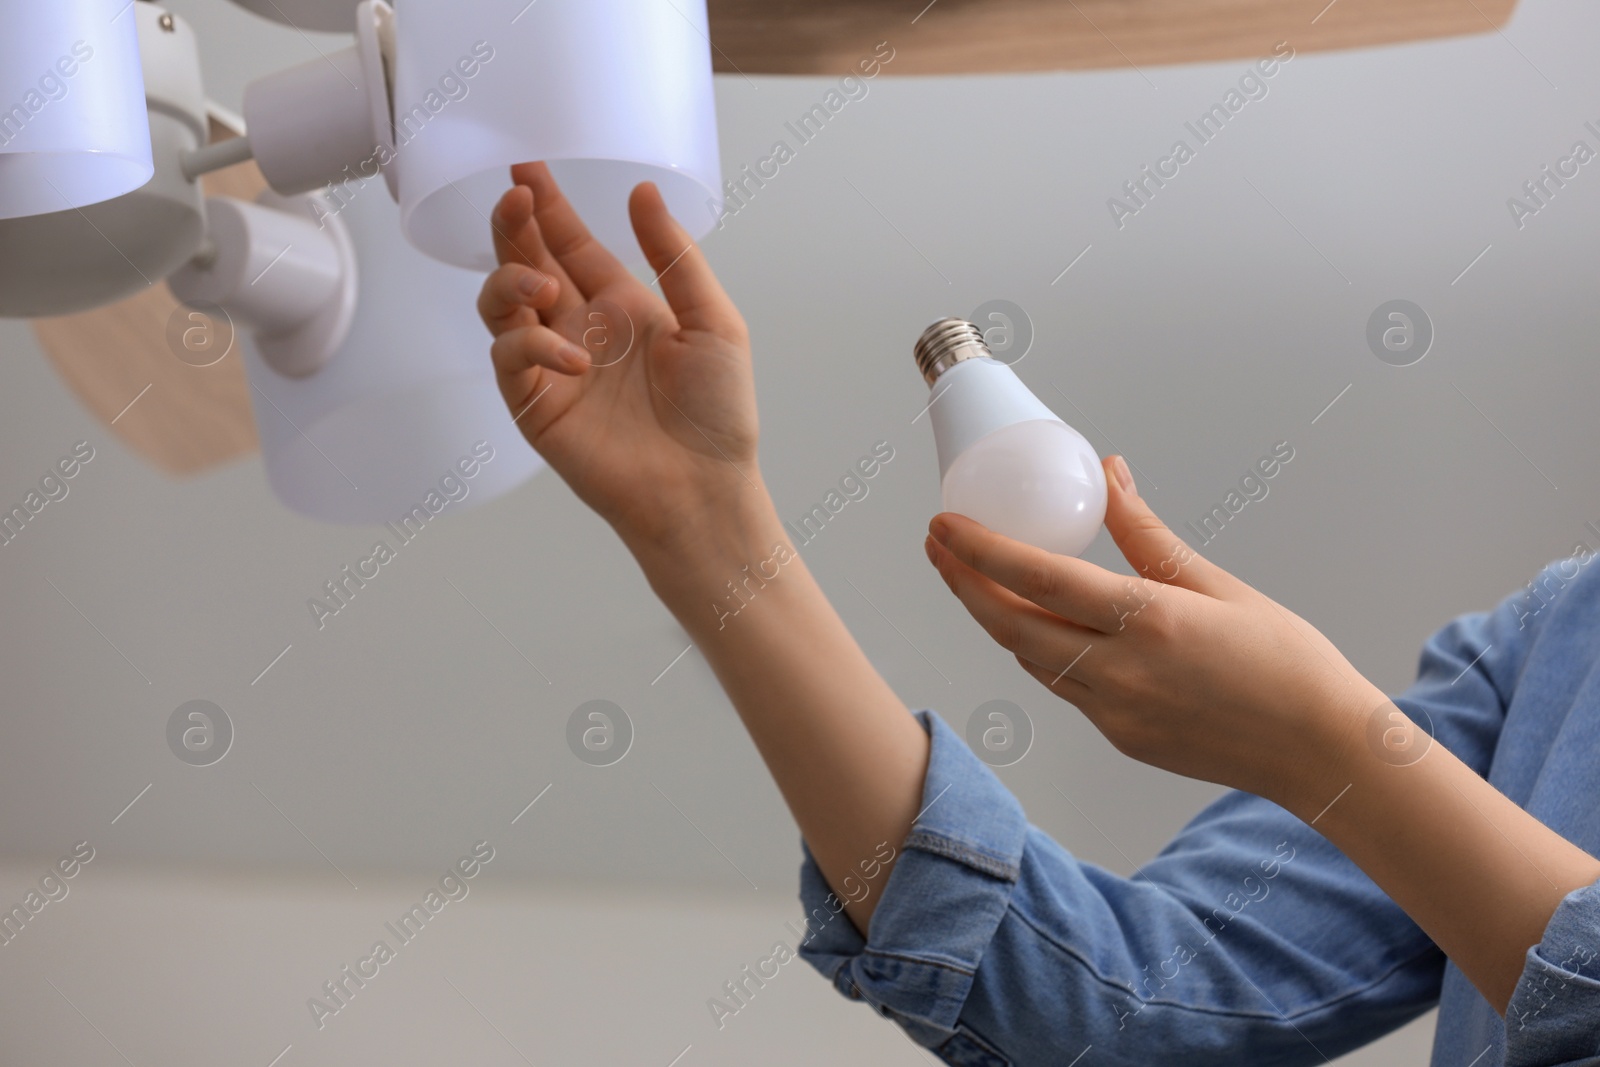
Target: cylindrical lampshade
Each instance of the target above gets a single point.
(73, 127)
(406, 414)
(326, 16)
(609, 92)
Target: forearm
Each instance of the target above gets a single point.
(1481, 876)
(846, 754)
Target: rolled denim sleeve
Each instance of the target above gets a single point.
(1553, 1019)
(954, 876)
(1249, 939)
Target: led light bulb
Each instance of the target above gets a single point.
(1005, 459)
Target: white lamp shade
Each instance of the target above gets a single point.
(326, 16)
(406, 400)
(608, 92)
(73, 126)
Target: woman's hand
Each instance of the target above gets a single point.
(660, 439)
(1190, 669)
(1186, 667)
(645, 407)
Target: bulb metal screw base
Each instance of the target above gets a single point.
(946, 343)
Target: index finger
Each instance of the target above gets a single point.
(586, 261)
(517, 240)
(512, 296)
(1076, 590)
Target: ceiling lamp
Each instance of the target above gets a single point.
(368, 367)
(63, 257)
(609, 92)
(72, 121)
(326, 16)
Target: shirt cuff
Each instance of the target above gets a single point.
(946, 893)
(1551, 1016)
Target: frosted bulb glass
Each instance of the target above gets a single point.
(1038, 482)
(1005, 459)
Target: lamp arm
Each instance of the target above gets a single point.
(313, 124)
(282, 268)
(215, 156)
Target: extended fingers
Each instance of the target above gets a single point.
(516, 235)
(1077, 591)
(513, 295)
(1017, 625)
(1153, 549)
(1060, 682)
(518, 241)
(585, 259)
(696, 297)
(526, 347)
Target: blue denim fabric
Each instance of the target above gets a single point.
(1249, 940)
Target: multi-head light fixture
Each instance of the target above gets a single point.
(364, 356)
(366, 369)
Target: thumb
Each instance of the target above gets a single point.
(1155, 551)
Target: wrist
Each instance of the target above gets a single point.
(725, 540)
(1335, 749)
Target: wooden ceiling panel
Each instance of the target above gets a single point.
(121, 360)
(975, 36)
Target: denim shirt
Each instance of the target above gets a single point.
(1249, 940)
